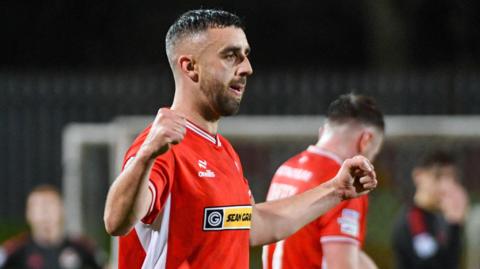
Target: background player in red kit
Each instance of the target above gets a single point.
(354, 126)
(181, 200)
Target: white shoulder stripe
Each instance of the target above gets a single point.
(277, 259)
(265, 256)
(153, 190)
(155, 240)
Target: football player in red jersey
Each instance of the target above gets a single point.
(354, 126)
(181, 195)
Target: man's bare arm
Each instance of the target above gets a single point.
(344, 255)
(128, 198)
(275, 220)
(341, 255)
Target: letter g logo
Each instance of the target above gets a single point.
(213, 219)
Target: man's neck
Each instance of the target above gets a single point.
(340, 150)
(338, 139)
(209, 126)
(197, 118)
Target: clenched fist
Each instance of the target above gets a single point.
(356, 177)
(168, 128)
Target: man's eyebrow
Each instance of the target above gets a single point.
(234, 49)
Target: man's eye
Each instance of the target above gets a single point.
(231, 56)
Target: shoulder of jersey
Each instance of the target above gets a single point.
(312, 159)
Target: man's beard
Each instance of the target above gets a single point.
(220, 98)
(227, 105)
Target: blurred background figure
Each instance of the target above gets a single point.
(354, 126)
(428, 233)
(47, 245)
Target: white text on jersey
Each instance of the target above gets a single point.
(207, 173)
(294, 173)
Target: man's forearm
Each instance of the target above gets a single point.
(128, 197)
(275, 220)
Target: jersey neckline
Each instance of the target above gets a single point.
(323, 152)
(204, 134)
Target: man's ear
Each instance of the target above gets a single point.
(364, 141)
(188, 67)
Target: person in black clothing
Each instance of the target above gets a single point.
(47, 246)
(427, 234)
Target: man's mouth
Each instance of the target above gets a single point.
(238, 89)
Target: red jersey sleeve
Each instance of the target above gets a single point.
(161, 176)
(345, 223)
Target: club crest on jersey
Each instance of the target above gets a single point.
(350, 222)
(227, 218)
(206, 173)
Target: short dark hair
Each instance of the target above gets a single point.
(360, 108)
(436, 158)
(199, 20)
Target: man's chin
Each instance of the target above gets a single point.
(230, 111)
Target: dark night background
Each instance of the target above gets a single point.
(330, 34)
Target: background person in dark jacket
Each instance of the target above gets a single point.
(47, 246)
(428, 233)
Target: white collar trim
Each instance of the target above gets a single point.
(326, 153)
(202, 133)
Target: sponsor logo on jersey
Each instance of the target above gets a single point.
(350, 222)
(227, 218)
(202, 164)
(294, 173)
(207, 172)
